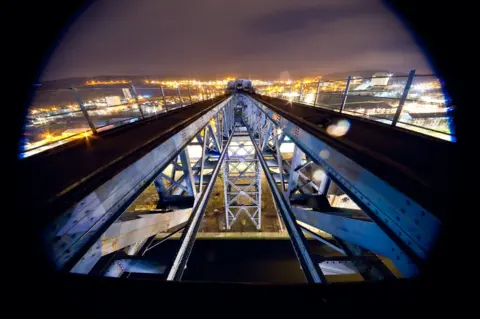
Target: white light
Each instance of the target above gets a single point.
(309, 98)
(318, 175)
(339, 129)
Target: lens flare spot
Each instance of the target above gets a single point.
(318, 175)
(324, 154)
(340, 128)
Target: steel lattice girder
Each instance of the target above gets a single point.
(411, 228)
(209, 150)
(361, 232)
(242, 183)
(369, 272)
(191, 229)
(80, 228)
(176, 187)
(376, 271)
(311, 269)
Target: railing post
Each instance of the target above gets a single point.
(190, 95)
(163, 97)
(345, 94)
(84, 110)
(134, 91)
(300, 93)
(316, 94)
(179, 95)
(411, 75)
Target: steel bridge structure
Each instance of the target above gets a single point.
(89, 185)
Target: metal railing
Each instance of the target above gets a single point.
(59, 116)
(413, 102)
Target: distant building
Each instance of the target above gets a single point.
(113, 100)
(380, 79)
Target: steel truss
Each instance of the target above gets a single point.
(242, 180)
(179, 179)
(386, 225)
(184, 185)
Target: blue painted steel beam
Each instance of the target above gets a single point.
(188, 236)
(413, 228)
(79, 228)
(363, 233)
(187, 172)
(311, 270)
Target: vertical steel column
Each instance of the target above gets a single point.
(267, 135)
(259, 190)
(214, 136)
(163, 97)
(250, 119)
(316, 94)
(411, 75)
(219, 131)
(259, 121)
(84, 110)
(187, 172)
(134, 91)
(225, 121)
(190, 95)
(231, 116)
(345, 94)
(204, 152)
(226, 188)
(279, 157)
(293, 178)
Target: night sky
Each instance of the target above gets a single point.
(256, 38)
